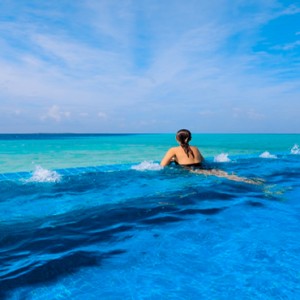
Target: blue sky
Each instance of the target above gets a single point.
(150, 66)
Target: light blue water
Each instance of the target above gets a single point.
(25, 152)
(130, 230)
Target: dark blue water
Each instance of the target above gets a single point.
(153, 234)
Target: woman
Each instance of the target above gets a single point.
(184, 155)
(191, 158)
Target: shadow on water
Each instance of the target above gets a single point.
(43, 251)
(52, 270)
(66, 239)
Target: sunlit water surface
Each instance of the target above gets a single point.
(129, 229)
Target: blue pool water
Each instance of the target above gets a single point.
(132, 230)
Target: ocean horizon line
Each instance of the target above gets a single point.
(144, 133)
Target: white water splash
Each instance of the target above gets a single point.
(223, 157)
(147, 165)
(43, 175)
(295, 149)
(267, 154)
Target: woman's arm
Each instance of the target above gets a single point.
(220, 173)
(168, 157)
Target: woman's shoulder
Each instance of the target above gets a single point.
(173, 150)
(176, 149)
(196, 150)
(194, 147)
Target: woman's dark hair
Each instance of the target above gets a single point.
(184, 136)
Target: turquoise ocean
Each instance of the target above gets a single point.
(94, 216)
(26, 152)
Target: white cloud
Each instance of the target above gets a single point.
(55, 113)
(254, 115)
(207, 113)
(102, 115)
(247, 113)
(289, 46)
(291, 10)
(189, 70)
(63, 51)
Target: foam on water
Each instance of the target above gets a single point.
(44, 175)
(89, 233)
(223, 157)
(147, 165)
(267, 154)
(295, 149)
